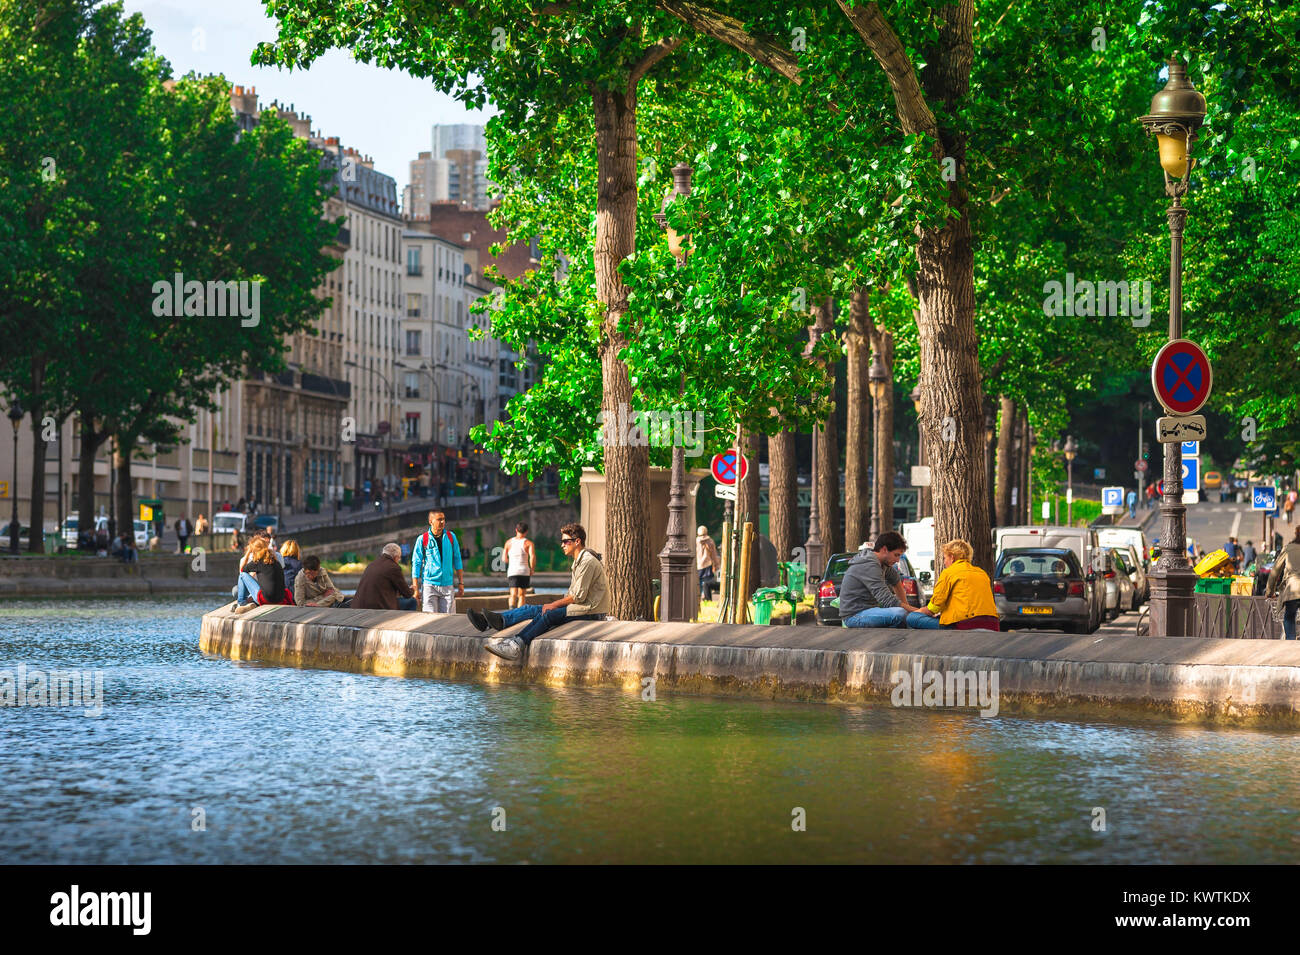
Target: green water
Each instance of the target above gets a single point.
(314, 766)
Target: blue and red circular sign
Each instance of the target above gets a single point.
(1181, 377)
(724, 467)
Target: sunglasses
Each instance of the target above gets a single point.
(568, 540)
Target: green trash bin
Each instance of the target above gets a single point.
(764, 600)
(1214, 585)
(347, 497)
(313, 503)
(796, 576)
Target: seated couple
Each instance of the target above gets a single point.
(872, 592)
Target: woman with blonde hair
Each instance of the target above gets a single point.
(963, 595)
(292, 558)
(261, 578)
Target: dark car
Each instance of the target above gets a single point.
(1042, 587)
(828, 593)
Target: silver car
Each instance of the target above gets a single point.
(1121, 596)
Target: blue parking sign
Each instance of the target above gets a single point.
(1191, 474)
(1263, 498)
(1112, 497)
(1191, 449)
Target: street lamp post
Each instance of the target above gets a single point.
(1070, 449)
(675, 584)
(1177, 113)
(877, 382)
(15, 418)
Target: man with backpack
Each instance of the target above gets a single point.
(435, 557)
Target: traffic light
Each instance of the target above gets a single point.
(1146, 450)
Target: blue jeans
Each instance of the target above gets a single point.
(878, 617)
(923, 621)
(1288, 618)
(248, 590)
(542, 620)
(407, 603)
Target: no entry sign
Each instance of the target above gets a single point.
(725, 469)
(1181, 377)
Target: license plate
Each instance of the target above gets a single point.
(1035, 609)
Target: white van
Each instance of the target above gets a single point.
(1124, 536)
(227, 522)
(920, 553)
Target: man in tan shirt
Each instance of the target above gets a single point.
(587, 599)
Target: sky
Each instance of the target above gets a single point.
(382, 113)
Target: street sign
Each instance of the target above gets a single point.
(1191, 449)
(1099, 474)
(1263, 498)
(1112, 497)
(1178, 428)
(723, 467)
(1181, 377)
(1047, 510)
(920, 475)
(1140, 465)
(1191, 474)
(1191, 497)
(146, 513)
(725, 491)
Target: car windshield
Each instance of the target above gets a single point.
(1031, 563)
(1123, 562)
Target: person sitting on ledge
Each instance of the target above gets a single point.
(587, 599)
(963, 596)
(261, 581)
(383, 586)
(872, 592)
(314, 588)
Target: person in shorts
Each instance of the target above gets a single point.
(521, 562)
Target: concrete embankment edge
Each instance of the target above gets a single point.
(1219, 682)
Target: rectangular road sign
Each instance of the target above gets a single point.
(1191, 474)
(920, 475)
(1263, 499)
(1112, 497)
(725, 491)
(1177, 429)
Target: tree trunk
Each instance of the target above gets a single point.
(1006, 431)
(747, 501)
(36, 520)
(828, 486)
(122, 506)
(783, 495)
(882, 341)
(1022, 475)
(857, 433)
(627, 468)
(89, 447)
(950, 379)
(990, 443)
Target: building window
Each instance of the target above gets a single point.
(413, 343)
(412, 381)
(413, 261)
(412, 305)
(413, 426)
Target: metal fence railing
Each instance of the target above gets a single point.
(1224, 615)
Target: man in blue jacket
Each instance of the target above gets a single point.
(435, 556)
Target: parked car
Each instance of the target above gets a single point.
(1117, 570)
(227, 522)
(71, 524)
(1121, 536)
(1085, 544)
(1212, 481)
(23, 535)
(1044, 587)
(269, 521)
(828, 592)
(141, 530)
(1138, 574)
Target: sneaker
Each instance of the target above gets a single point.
(477, 618)
(507, 648)
(245, 608)
(495, 620)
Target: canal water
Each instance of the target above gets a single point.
(198, 759)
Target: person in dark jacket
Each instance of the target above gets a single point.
(292, 562)
(383, 586)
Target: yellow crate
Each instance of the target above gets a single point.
(1212, 563)
(1243, 586)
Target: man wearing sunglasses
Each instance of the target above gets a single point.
(587, 599)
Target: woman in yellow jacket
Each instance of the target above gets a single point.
(963, 596)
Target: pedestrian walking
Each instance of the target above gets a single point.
(1248, 555)
(707, 562)
(183, 531)
(1132, 505)
(201, 525)
(521, 563)
(1234, 552)
(587, 599)
(435, 559)
(1286, 573)
(1288, 507)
